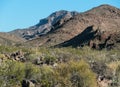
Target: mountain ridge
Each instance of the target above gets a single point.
(62, 26)
(44, 25)
(106, 22)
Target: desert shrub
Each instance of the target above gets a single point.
(49, 59)
(101, 69)
(113, 66)
(2, 56)
(70, 74)
(30, 71)
(11, 73)
(75, 74)
(46, 76)
(31, 57)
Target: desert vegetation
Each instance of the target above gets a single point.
(58, 67)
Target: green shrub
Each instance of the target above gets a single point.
(11, 73)
(30, 71)
(46, 76)
(75, 74)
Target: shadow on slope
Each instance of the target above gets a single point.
(95, 38)
(81, 39)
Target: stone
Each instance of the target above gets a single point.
(27, 83)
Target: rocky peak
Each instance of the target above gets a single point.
(45, 25)
(55, 17)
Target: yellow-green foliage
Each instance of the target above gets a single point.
(75, 74)
(114, 65)
(12, 72)
(31, 70)
(46, 76)
(71, 74)
(2, 55)
(7, 49)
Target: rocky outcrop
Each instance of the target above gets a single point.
(28, 83)
(104, 81)
(105, 40)
(95, 38)
(17, 56)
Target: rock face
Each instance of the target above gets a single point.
(45, 25)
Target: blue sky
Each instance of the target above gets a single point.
(16, 14)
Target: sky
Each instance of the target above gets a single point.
(19, 14)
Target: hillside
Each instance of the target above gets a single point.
(105, 20)
(9, 39)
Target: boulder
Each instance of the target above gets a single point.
(104, 81)
(18, 56)
(27, 83)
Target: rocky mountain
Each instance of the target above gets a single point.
(101, 28)
(98, 27)
(45, 25)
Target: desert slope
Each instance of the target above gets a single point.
(9, 39)
(104, 18)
